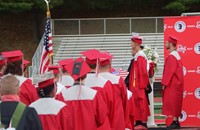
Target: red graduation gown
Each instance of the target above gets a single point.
(104, 87)
(173, 80)
(130, 122)
(53, 114)
(27, 92)
(87, 107)
(59, 95)
(59, 88)
(139, 80)
(119, 114)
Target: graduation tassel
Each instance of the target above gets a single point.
(134, 82)
(79, 93)
(134, 79)
(97, 68)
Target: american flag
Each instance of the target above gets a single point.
(47, 51)
(120, 72)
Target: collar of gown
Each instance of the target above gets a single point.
(11, 97)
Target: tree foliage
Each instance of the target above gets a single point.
(24, 5)
(180, 6)
(92, 4)
(176, 6)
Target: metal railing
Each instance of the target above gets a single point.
(35, 68)
(107, 25)
(98, 26)
(191, 14)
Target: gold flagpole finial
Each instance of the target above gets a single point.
(48, 10)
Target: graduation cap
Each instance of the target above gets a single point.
(91, 56)
(137, 39)
(43, 80)
(46, 83)
(77, 68)
(12, 56)
(172, 39)
(105, 58)
(2, 60)
(54, 68)
(64, 62)
(25, 63)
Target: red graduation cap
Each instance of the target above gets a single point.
(105, 58)
(137, 39)
(77, 68)
(91, 56)
(25, 63)
(172, 39)
(62, 63)
(12, 56)
(2, 60)
(54, 68)
(46, 83)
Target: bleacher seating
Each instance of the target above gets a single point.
(117, 45)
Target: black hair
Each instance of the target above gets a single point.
(14, 68)
(92, 66)
(174, 45)
(65, 71)
(46, 91)
(142, 47)
(81, 78)
(1, 66)
(1, 58)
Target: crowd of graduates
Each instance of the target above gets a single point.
(81, 94)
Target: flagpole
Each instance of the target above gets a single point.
(48, 10)
(49, 16)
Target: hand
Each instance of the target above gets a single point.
(163, 87)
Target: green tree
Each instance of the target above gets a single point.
(179, 6)
(37, 7)
(93, 4)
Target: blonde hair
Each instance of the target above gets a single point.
(9, 85)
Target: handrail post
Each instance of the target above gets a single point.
(156, 24)
(52, 26)
(104, 26)
(130, 25)
(151, 120)
(79, 27)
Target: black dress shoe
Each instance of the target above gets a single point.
(138, 123)
(174, 125)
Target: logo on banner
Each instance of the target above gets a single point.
(180, 26)
(181, 48)
(165, 27)
(184, 94)
(183, 116)
(198, 70)
(198, 24)
(197, 48)
(197, 93)
(184, 70)
(198, 114)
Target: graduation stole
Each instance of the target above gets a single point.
(16, 117)
(132, 78)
